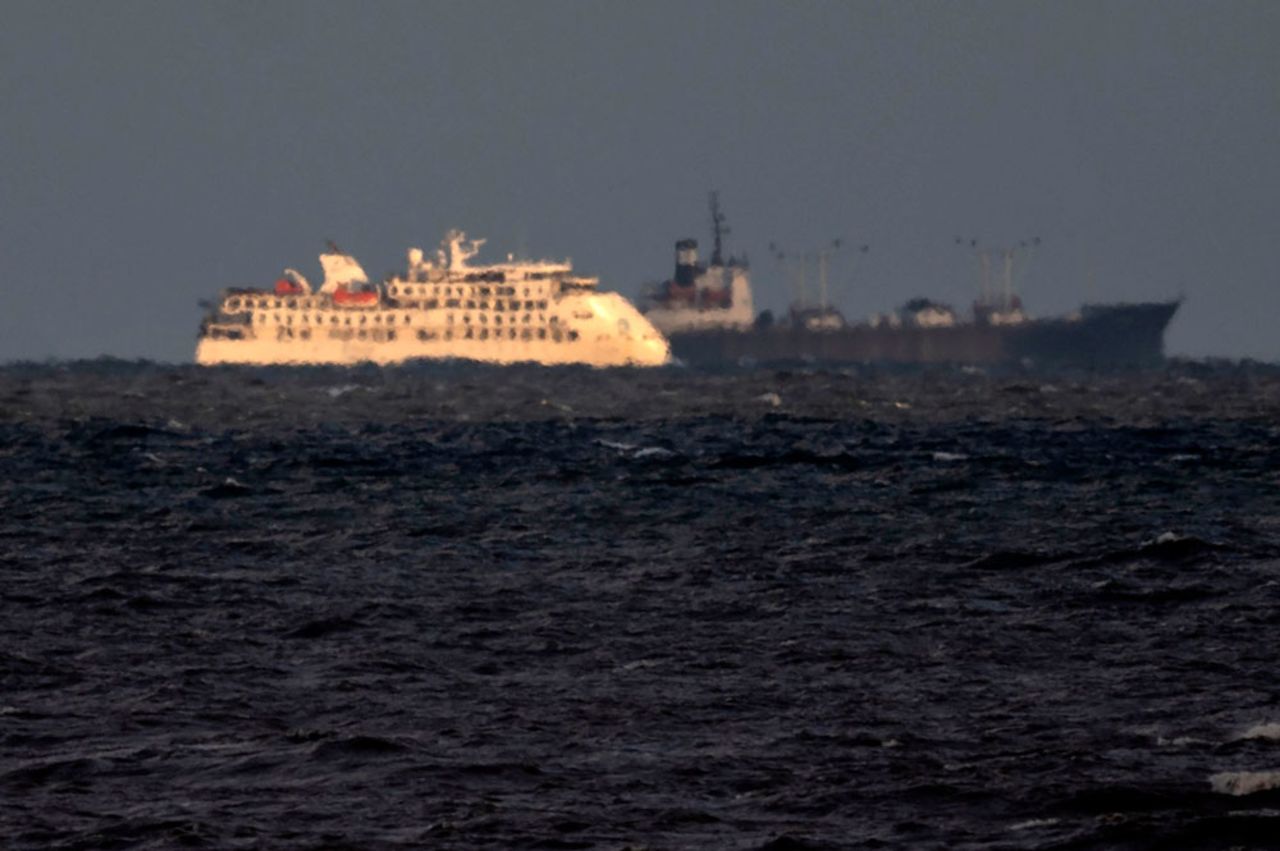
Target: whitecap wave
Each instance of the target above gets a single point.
(1265, 730)
(1241, 783)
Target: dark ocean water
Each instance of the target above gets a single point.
(458, 607)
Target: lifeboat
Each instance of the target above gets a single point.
(343, 297)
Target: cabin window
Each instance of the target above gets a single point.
(526, 334)
(573, 335)
(484, 333)
(452, 302)
(526, 319)
(431, 304)
(391, 333)
(233, 303)
(471, 305)
(512, 333)
(470, 334)
(542, 305)
(306, 333)
(542, 333)
(362, 334)
(363, 320)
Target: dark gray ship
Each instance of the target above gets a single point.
(706, 311)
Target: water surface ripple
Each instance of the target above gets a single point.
(459, 607)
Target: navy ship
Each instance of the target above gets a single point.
(707, 313)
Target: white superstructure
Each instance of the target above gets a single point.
(442, 307)
(714, 297)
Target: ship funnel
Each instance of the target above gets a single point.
(686, 262)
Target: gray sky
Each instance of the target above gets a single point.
(154, 152)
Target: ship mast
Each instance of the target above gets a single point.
(718, 229)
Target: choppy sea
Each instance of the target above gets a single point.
(465, 607)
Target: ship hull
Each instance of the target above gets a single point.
(600, 329)
(1104, 336)
(268, 352)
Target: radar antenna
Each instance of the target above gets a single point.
(718, 229)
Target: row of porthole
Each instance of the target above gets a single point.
(483, 319)
(378, 335)
(471, 304)
(435, 289)
(496, 334)
(266, 304)
(420, 289)
(334, 319)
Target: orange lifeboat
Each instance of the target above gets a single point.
(343, 297)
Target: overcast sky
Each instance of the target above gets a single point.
(154, 152)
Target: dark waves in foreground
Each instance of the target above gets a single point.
(471, 608)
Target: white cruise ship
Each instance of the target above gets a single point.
(442, 307)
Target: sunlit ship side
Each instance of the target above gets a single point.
(442, 307)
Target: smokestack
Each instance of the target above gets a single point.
(686, 262)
